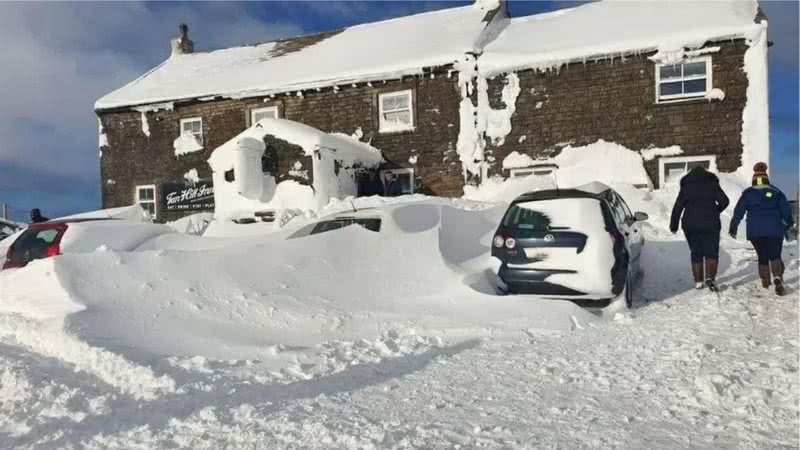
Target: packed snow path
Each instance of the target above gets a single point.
(685, 369)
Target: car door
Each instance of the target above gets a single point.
(622, 223)
(634, 234)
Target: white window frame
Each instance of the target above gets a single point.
(154, 201)
(683, 97)
(254, 111)
(195, 119)
(384, 128)
(712, 166)
(398, 171)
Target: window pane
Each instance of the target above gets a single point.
(405, 183)
(695, 68)
(399, 117)
(48, 236)
(263, 114)
(694, 87)
(675, 166)
(402, 101)
(389, 102)
(670, 71)
(146, 194)
(692, 164)
(673, 171)
(671, 88)
(404, 117)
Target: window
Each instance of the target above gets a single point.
(269, 112)
(396, 112)
(689, 79)
(146, 198)
(193, 126)
(398, 182)
(670, 170)
(528, 171)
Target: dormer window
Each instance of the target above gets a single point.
(688, 80)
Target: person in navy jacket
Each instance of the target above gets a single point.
(769, 219)
(697, 208)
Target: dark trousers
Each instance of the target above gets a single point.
(702, 244)
(768, 249)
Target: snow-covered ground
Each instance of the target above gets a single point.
(355, 339)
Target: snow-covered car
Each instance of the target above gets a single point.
(367, 219)
(48, 239)
(7, 228)
(581, 244)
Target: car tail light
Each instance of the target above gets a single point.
(52, 250)
(498, 241)
(510, 243)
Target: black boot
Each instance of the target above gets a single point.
(763, 273)
(711, 275)
(777, 272)
(697, 274)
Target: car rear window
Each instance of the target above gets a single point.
(524, 218)
(32, 244)
(575, 214)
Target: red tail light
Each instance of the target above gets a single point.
(53, 250)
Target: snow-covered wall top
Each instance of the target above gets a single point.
(345, 148)
(366, 52)
(611, 28)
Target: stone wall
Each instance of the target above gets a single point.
(612, 100)
(615, 101)
(132, 158)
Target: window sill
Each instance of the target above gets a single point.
(683, 101)
(398, 130)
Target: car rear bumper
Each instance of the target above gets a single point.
(534, 283)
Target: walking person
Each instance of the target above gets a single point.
(697, 208)
(769, 219)
(37, 217)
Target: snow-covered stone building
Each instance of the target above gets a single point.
(448, 96)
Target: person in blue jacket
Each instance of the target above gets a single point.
(769, 219)
(697, 209)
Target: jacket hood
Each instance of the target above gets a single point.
(698, 174)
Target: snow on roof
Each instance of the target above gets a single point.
(611, 28)
(373, 51)
(347, 149)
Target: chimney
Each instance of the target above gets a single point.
(182, 45)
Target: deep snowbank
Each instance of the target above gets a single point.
(279, 301)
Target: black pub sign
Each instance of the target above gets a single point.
(187, 197)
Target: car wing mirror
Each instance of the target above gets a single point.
(640, 216)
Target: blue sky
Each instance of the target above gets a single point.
(60, 57)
